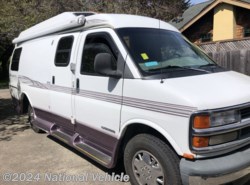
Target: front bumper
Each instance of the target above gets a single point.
(215, 171)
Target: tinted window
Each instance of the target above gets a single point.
(16, 59)
(63, 52)
(95, 44)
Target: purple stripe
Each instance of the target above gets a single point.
(117, 101)
(160, 104)
(159, 110)
(99, 140)
(66, 123)
(92, 137)
(160, 107)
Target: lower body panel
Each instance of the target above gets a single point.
(97, 145)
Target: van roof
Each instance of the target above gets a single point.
(86, 20)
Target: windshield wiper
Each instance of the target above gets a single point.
(181, 67)
(196, 69)
(208, 65)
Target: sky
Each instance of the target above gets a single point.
(197, 1)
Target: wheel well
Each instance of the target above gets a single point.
(24, 104)
(135, 129)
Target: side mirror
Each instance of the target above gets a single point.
(103, 65)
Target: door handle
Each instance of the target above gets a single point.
(53, 79)
(77, 85)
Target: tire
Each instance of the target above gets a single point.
(31, 120)
(150, 161)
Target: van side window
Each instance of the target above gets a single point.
(63, 51)
(95, 44)
(16, 59)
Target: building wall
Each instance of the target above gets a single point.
(224, 22)
(203, 26)
(242, 21)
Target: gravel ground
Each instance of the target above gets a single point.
(30, 158)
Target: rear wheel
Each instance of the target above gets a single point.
(150, 161)
(31, 120)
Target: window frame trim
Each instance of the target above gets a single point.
(70, 53)
(113, 47)
(21, 48)
(246, 31)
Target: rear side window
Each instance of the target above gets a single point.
(63, 51)
(16, 59)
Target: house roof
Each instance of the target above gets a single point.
(246, 1)
(193, 13)
(189, 14)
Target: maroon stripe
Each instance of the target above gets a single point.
(159, 104)
(99, 140)
(92, 137)
(60, 121)
(159, 110)
(155, 106)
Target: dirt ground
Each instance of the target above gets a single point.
(30, 158)
(10, 123)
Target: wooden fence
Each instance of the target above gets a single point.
(231, 54)
(237, 60)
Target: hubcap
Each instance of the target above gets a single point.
(147, 169)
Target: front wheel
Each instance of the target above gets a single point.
(150, 161)
(31, 120)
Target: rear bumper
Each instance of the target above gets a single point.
(215, 171)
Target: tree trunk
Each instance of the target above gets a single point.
(5, 58)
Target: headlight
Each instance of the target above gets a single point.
(224, 118)
(216, 119)
(205, 125)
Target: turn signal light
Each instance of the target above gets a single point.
(200, 142)
(201, 122)
(188, 156)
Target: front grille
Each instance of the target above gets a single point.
(245, 132)
(245, 113)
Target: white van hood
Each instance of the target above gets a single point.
(210, 91)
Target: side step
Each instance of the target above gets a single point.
(62, 136)
(78, 143)
(93, 153)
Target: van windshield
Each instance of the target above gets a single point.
(156, 50)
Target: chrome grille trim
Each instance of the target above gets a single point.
(231, 146)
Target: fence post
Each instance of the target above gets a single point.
(217, 46)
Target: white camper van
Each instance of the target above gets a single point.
(133, 88)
